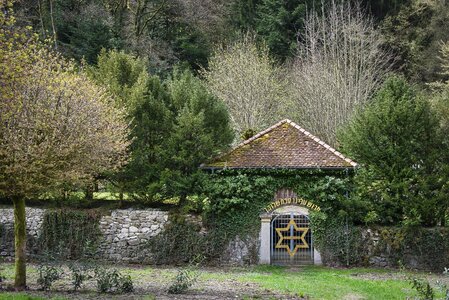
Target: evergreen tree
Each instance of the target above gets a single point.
(243, 14)
(397, 142)
(415, 35)
(125, 76)
(278, 23)
(201, 130)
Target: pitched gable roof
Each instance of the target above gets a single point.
(283, 145)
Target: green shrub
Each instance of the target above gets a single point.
(423, 288)
(112, 281)
(69, 234)
(47, 275)
(182, 241)
(126, 284)
(186, 277)
(79, 274)
(338, 240)
(183, 281)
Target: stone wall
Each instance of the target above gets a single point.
(124, 232)
(35, 217)
(242, 251)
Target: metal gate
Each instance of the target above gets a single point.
(291, 240)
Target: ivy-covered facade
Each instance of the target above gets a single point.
(270, 185)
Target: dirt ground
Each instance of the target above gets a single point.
(152, 283)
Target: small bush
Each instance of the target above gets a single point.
(423, 288)
(186, 277)
(126, 285)
(112, 281)
(183, 281)
(79, 274)
(47, 275)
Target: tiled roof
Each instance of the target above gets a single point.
(283, 145)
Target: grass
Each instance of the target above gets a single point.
(326, 283)
(312, 281)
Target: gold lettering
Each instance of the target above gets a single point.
(298, 201)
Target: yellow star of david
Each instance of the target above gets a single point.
(303, 245)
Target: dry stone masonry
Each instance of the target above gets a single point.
(124, 233)
(35, 217)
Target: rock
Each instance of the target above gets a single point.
(134, 241)
(133, 229)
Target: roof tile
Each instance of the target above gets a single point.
(283, 145)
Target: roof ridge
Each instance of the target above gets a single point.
(296, 126)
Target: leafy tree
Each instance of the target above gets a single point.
(277, 23)
(56, 126)
(78, 28)
(397, 142)
(176, 126)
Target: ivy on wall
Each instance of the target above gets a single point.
(237, 198)
(341, 243)
(69, 234)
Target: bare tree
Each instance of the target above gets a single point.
(246, 79)
(340, 64)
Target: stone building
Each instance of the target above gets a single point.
(285, 233)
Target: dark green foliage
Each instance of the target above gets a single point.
(176, 125)
(243, 14)
(278, 23)
(338, 240)
(181, 242)
(237, 198)
(47, 275)
(82, 28)
(381, 8)
(69, 234)
(151, 124)
(415, 35)
(200, 130)
(397, 142)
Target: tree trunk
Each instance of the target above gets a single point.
(120, 197)
(89, 192)
(182, 200)
(20, 243)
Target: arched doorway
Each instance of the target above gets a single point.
(291, 241)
